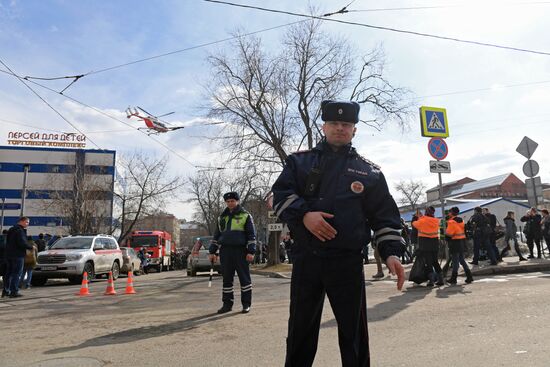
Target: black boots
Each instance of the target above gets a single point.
(225, 308)
(452, 279)
(469, 277)
(440, 280)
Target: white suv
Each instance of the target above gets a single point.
(69, 257)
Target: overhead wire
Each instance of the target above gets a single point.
(106, 115)
(444, 7)
(47, 103)
(79, 76)
(364, 25)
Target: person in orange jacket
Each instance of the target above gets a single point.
(456, 237)
(428, 243)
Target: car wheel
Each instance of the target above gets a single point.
(38, 281)
(88, 268)
(115, 270)
(74, 279)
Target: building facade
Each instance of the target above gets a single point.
(66, 190)
(506, 186)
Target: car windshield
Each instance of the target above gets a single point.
(144, 241)
(203, 243)
(72, 243)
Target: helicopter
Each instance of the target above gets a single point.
(154, 125)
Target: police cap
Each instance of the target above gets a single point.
(344, 111)
(231, 195)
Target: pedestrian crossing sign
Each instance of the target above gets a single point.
(433, 122)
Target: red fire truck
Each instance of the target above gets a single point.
(157, 244)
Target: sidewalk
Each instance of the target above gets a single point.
(510, 265)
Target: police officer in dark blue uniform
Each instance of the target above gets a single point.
(235, 237)
(331, 198)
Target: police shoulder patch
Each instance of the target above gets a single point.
(371, 163)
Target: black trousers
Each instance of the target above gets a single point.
(343, 281)
(234, 259)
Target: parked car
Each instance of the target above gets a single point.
(130, 261)
(198, 259)
(69, 257)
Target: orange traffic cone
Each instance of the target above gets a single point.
(130, 285)
(110, 291)
(84, 287)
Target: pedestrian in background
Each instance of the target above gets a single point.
(481, 231)
(456, 238)
(29, 264)
(16, 248)
(406, 258)
(40, 243)
(492, 219)
(545, 227)
(282, 252)
(331, 198)
(288, 246)
(511, 234)
(533, 232)
(428, 244)
(235, 238)
(3, 262)
(379, 270)
(414, 233)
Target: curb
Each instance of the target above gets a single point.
(511, 269)
(269, 274)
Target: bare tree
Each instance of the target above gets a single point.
(271, 101)
(142, 189)
(207, 188)
(81, 198)
(411, 192)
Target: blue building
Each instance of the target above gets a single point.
(61, 184)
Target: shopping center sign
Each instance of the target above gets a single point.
(62, 140)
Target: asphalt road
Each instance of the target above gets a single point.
(171, 321)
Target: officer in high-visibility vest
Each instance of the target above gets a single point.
(235, 237)
(456, 238)
(428, 243)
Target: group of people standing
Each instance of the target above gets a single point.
(537, 227)
(427, 227)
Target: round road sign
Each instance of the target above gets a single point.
(438, 148)
(530, 168)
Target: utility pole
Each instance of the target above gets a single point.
(24, 191)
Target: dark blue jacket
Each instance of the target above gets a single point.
(352, 188)
(17, 245)
(235, 228)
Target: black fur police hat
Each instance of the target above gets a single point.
(231, 195)
(340, 111)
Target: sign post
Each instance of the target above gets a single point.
(434, 124)
(531, 168)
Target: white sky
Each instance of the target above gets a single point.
(57, 38)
